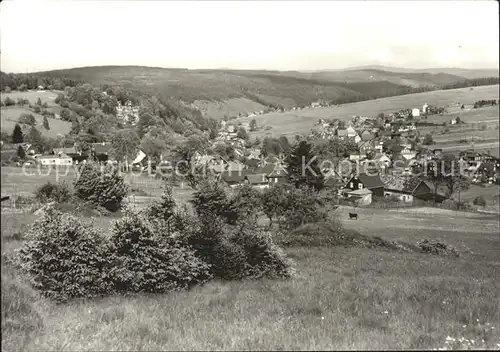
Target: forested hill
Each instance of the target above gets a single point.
(219, 93)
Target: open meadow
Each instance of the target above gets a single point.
(340, 298)
(143, 188)
(301, 121)
(488, 115)
(10, 117)
(46, 96)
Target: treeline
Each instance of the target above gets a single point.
(411, 90)
(475, 82)
(481, 103)
(22, 82)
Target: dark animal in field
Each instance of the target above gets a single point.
(353, 216)
(5, 198)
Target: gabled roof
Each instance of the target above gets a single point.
(334, 182)
(366, 136)
(233, 176)
(70, 150)
(100, 148)
(341, 132)
(380, 156)
(272, 170)
(255, 179)
(395, 148)
(371, 181)
(400, 184)
(252, 162)
(62, 156)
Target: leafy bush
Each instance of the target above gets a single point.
(211, 200)
(65, 258)
(101, 186)
(332, 233)
(9, 102)
(437, 247)
(58, 192)
(165, 208)
(28, 119)
(428, 140)
(263, 258)
(304, 206)
(454, 205)
(146, 262)
(235, 252)
(248, 202)
(479, 200)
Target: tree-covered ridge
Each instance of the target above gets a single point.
(274, 89)
(21, 81)
(93, 110)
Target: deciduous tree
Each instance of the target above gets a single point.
(303, 167)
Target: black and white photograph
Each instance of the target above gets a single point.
(250, 175)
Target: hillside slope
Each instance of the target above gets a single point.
(455, 71)
(220, 93)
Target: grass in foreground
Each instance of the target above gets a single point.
(341, 298)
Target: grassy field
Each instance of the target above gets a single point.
(229, 107)
(10, 116)
(492, 147)
(144, 189)
(340, 298)
(488, 114)
(299, 122)
(32, 96)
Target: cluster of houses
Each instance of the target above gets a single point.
(396, 156)
(127, 112)
(381, 181)
(69, 155)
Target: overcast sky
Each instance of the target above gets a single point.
(44, 35)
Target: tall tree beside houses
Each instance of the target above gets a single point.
(253, 125)
(446, 172)
(20, 152)
(242, 133)
(46, 123)
(17, 134)
(152, 147)
(124, 145)
(303, 167)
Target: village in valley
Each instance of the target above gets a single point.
(391, 146)
(298, 183)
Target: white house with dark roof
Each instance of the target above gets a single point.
(52, 160)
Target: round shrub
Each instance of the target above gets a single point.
(58, 192)
(263, 258)
(101, 186)
(479, 200)
(235, 253)
(146, 262)
(165, 208)
(211, 200)
(437, 247)
(65, 258)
